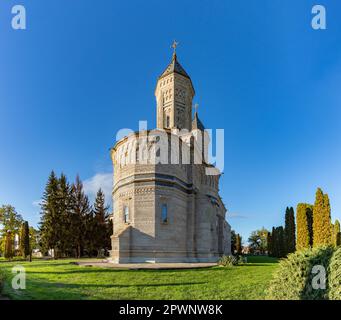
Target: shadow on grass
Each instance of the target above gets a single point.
(95, 285)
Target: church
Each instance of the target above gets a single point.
(166, 203)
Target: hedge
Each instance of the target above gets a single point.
(293, 279)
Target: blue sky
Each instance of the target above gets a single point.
(85, 69)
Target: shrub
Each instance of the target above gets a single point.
(293, 279)
(335, 276)
(228, 261)
(2, 279)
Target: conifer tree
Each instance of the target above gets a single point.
(64, 216)
(337, 233)
(49, 215)
(9, 246)
(269, 244)
(233, 241)
(278, 242)
(25, 240)
(304, 222)
(101, 221)
(274, 244)
(80, 215)
(238, 244)
(281, 242)
(290, 230)
(321, 220)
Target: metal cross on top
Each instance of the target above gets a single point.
(174, 45)
(196, 106)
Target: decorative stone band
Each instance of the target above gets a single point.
(157, 180)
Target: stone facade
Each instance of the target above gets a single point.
(166, 207)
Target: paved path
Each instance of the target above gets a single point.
(141, 266)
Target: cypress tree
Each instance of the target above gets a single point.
(321, 220)
(274, 245)
(304, 221)
(233, 241)
(269, 244)
(25, 240)
(337, 233)
(238, 244)
(9, 246)
(290, 230)
(281, 242)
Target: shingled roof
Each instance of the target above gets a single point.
(196, 123)
(176, 67)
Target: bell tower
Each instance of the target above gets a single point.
(174, 94)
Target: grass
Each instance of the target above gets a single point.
(61, 279)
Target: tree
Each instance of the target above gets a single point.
(290, 230)
(304, 222)
(10, 220)
(269, 244)
(233, 241)
(321, 220)
(64, 217)
(258, 240)
(34, 238)
(25, 240)
(280, 240)
(337, 233)
(49, 215)
(80, 212)
(100, 223)
(9, 246)
(239, 244)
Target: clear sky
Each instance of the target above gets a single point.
(85, 69)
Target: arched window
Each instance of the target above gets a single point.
(126, 214)
(164, 213)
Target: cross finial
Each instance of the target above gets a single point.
(174, 45)
(196, 106)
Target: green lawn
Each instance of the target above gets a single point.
(62, 280)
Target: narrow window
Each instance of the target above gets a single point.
(126, 214)
(164, 213)
(167, 122)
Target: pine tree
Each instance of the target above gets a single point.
(80, 213)
(100, 224)
(337, 233)
(9, 246)
(321, 220)
(25, 240)
(290, 230)
(49, 215)
(304, 222)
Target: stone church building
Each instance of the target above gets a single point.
(166, 199)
